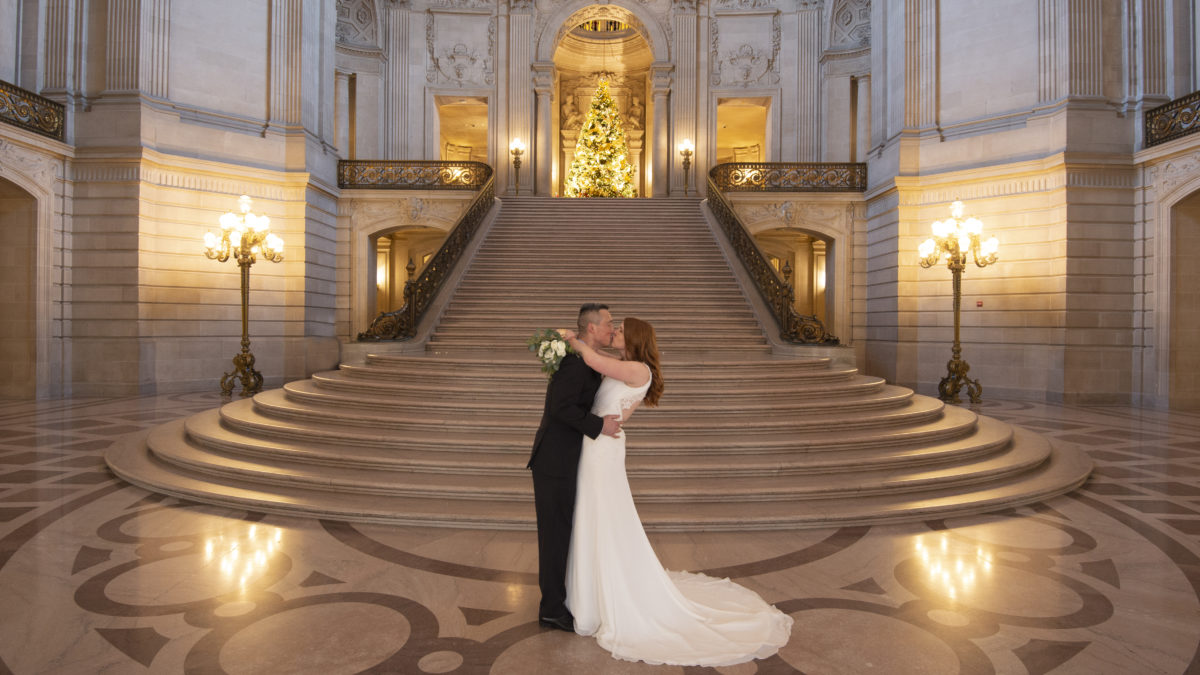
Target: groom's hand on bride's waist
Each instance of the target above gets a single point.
(612, 426)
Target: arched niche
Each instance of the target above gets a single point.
(571, 14)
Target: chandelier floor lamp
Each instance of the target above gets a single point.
(952, 241)
(686, 148)
(516, 148)
(244, 236)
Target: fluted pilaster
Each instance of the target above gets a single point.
(154, 56)
(520, 103)
(396, 111)
(1152, 56)
(1086, 49)
(124, 39)
(1050, 51)
(920, 64)
(59, 51)
(284, 64)
(807, 112)
(684, 104)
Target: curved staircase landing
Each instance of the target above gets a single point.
(743, 439)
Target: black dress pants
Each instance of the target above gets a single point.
(554, 502)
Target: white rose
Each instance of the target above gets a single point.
(560, 347)
(542, 350)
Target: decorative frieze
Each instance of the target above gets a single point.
(357, 24)
(738, 57)
(454, 59)
(850, 25)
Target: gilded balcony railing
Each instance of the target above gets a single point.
(412, 175)
(27, 110)
(1172, 120)
(790, 177)
(420, 291)
(778, 294)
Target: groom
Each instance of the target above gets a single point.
(555, 460)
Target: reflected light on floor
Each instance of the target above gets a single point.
(246, 555)
(954, 572)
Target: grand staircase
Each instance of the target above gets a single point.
(744, 438)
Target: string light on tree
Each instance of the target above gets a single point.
(601, 167)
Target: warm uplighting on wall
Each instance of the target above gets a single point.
(516, 148)
(953, 240)
(686, 149)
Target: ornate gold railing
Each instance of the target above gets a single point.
(27, 110)
(415, 175)
(420, 291)
(1172, 120)
(789, 177)
(778, 294)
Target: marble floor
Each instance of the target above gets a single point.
(98, 576)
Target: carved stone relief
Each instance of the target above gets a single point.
(1169, 174)
(356, 24)
(40, 168)
(742, 63)
(850, 24)
(452, 59)
(792, 214)
(744, 4)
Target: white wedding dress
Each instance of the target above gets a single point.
(618, 590)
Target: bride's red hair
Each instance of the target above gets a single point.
(641, 345)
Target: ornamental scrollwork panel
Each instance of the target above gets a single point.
(456, 58)
(1173, 120)
(737, 53)
(25, 109)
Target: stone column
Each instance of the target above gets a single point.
(660, 75)
(635, 158)
(341, 114)
(819, 282)
(862, 121)
(802, 280)
(684, 102)
(570, 140)
(543, 146)
(520, 103)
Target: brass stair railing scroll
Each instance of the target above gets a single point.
(790, 177)
(412, 175)
(1172, 120)
(25, 109)
(778, 294)
(420, 291)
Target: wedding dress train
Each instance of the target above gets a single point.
(618, 590)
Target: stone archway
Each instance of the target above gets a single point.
(1184, 357)
(18, 330)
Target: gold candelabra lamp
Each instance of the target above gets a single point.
(686, 148)
(953, 240)
(517, 148)
(244, 236)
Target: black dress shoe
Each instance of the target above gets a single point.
(565, 622)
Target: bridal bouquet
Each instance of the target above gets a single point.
(550, 348)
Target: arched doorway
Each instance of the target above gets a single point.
(802, 258)
(1184, 358)
(602, 43)
(18, 330)
(400, 254)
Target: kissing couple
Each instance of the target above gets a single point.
(597, 572)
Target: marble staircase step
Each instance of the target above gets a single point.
(133, 463)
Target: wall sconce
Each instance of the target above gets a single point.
(517, 148)
(953, 239)
(686, 148)
(244, 236)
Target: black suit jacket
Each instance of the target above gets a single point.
(567, 416)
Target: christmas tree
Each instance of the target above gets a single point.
(601, 167)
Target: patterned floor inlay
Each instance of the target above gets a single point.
(100, 576)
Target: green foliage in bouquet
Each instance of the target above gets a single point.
(550, 348)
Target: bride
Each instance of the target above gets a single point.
(616, 587)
